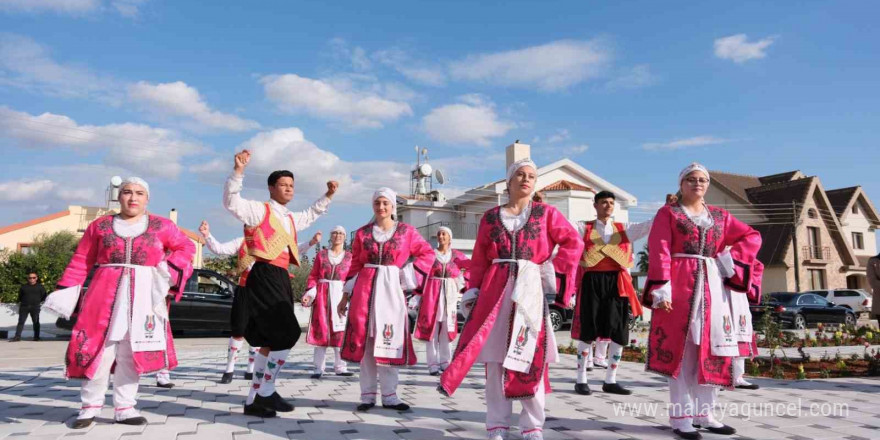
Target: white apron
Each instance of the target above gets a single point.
(527, 294)
(389, 312)
(447, 304)
(723, 340)
(149, 312)
(334, 296)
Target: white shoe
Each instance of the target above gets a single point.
(89, 413)
(600, 363)
(498, 434)
(534, 435)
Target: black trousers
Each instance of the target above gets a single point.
(603, 312)
(269, 302)
(239, 317)
(23, 311)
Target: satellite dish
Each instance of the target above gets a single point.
(439, 176)
(425, 170)
(116, 180)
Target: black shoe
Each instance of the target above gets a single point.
(399, 407)
(259, 410)
(615, 388)
(345, 374)
(226, 378)
(693, 435)
(365, 407)
(434, 373)
(589, 368)
(168, 385)
(37, 339)
(750, 386)
(582, 389)
(316, 376)
(15, 339)
(721, 430)
(276, 402)
(83, 423)
(248, 376)
(133, 421)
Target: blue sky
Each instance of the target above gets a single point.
(633, 91)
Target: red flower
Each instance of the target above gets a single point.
(777, 361)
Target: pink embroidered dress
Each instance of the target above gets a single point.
(100, 245)
(679, 250)
(324, 272)
(380, 312)
(534, 241)
(435, 293)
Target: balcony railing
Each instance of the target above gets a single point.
(817, 252)
(462, 230)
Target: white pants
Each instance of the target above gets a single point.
(387, 377)
(125, 378)
(690, 402)
(499, 409)
(437, 349)
(339, 365)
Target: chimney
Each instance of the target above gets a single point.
(173, 215)
(515, 152)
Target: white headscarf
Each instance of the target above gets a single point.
(511, 170)
(446, 230)
(135, 181)
(338, 228)
(690, 169)
(389, 194)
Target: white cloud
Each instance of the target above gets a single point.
(288, 148)
(422, 73)
(550, 67)
(43, 189)
(180, 99)
(356, 56)
(574, 150)
(471, 121)
(560, 135)
(677, 144)
(126, 8)
(73, 7)
(634, 78)
(141, 148)
(26, 64)
(738, 49)
(336, 99)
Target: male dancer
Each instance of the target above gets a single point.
(239, 314)
(270, 237)
(605, 294)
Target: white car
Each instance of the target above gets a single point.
(856, 300)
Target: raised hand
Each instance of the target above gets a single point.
(315, 239)
(332, 186)
(241, 161)
(204, 229)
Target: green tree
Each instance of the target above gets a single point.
(224, 265)
(643, 259)
(48, 257)
(300, 276)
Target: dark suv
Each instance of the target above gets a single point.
(205, 305)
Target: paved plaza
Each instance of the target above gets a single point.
(36, 402)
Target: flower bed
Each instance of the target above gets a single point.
(823, 336)
(854, 365)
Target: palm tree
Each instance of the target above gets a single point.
(643, 259)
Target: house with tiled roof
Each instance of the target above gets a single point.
(18, 237)
(813, 238)
(565, 184)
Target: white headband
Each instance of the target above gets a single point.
(446, 230)
(338, 229)
(511, 170)
(136, 181)
(690, 169)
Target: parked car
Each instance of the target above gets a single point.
(857, 300)
(204, 306)
(799, 310)
(559, 316)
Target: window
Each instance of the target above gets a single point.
(855, 208)
(817, 278)
(845, 293)
(25, 248)
(212, 285)
(811, 213)
(858, 240)
(807, 300)
(819, 301)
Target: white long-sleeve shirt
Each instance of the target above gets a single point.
(231, 247)
(251, 212)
